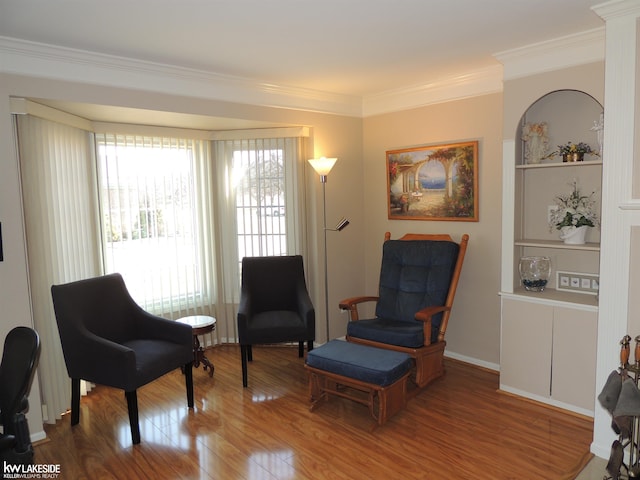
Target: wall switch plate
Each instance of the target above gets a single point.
(588, 283)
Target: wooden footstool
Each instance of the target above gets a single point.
(339, 368)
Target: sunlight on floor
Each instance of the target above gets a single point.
(271, 462)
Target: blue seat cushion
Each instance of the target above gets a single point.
(391, 332)
(367, 364)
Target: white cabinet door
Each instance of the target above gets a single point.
(525, 358)
(574, 357)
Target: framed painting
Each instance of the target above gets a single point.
(435, 182)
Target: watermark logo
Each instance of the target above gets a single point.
(38, 470)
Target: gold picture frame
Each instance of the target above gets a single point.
(433, 182)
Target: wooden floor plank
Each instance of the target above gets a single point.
(460, 426)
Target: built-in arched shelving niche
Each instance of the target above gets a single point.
(570, 116)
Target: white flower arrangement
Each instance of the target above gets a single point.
(574, 210)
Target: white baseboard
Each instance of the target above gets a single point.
(473, 361)
(547, 400)
(37, 436)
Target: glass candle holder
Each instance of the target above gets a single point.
(534, 273)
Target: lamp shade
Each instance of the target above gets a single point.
(323, 165)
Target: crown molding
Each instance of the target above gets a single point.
(49, 61)
(617, 8)
(572, 50)
(22, 57)
(480, 82)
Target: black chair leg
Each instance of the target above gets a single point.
(75, 401)
(300, 349)
(188, 378)
(245, 351)
(249, 353)
(309, 345)
(132, 406)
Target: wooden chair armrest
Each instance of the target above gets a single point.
(351, 305)
(425, 315)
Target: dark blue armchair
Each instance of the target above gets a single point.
(418, 280)
(108, 339)
(275, 306)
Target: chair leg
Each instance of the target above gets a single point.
(309, 345)
(244, 352)
(188, 378)
(249, 353)
(300, 349)
(75, 401)
(132, 406)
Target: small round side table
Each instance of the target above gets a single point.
(200, 324)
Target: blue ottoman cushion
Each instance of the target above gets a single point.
(367, 364)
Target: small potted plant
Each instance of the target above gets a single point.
(573, 214)
(573, 152)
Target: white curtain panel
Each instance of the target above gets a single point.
(60, 210)
(158, 229)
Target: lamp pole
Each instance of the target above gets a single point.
(323, 180)
(323, 166)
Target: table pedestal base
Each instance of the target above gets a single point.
(199, 356)
(200, 325)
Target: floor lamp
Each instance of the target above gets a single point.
(323, 166)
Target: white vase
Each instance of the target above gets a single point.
(573, 235)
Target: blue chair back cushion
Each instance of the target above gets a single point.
(414, 274)
(274, 283)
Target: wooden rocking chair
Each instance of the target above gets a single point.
(418, 280)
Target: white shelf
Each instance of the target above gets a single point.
(586, 163)
(527, 242)
(555, 297)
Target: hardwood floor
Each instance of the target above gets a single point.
(458, 427)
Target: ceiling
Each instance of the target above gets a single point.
(349, 47)
(354, 47)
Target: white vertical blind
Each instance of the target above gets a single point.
(60, 210)
(154, 193)
(260, 204)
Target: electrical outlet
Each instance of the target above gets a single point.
(577, 282)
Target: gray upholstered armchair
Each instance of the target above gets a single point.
(275, 306)
(110, 340)
(418, 281)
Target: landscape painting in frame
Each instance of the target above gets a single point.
(437, 182)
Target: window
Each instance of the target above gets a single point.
(263, 203)
(150, 228)
(177, 220)
(260, 199)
